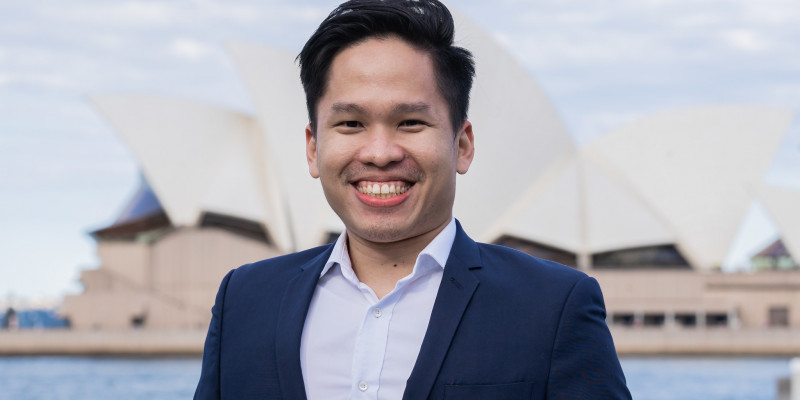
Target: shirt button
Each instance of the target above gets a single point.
(377, 312)
(363, 386)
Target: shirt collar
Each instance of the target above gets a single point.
(438, 250)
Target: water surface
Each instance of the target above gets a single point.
(88, 378)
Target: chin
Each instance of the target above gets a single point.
(382, 232)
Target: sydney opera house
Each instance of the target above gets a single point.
(650, 209)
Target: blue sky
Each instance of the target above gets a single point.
(63, 171)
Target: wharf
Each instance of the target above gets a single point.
(708, 341)
(628, 341)
(102, 343)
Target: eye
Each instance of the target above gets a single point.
(411, 123)
(349, 126)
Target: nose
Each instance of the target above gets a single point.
(381, 147)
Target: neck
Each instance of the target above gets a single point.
(380, 265)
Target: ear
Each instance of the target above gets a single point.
(466, 148)
(311, 152)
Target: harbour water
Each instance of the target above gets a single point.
(87, 378)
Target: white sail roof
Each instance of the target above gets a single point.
(273, 81)
(584, 207)
(693, 168)
(196, 157)
(518, 134)
(783, 204)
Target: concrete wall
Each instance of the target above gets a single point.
(126, 260)
(167, 284)
(745, 297)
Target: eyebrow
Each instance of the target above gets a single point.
(348, 108)
(408, 108)
(403, 108)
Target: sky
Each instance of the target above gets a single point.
(64, 172)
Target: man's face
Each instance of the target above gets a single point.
(385, 150)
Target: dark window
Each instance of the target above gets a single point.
(686, 319)
(651, 257)
(653, 319)
(716, 319)
(332, 236)
(622, 319)
(539, 250)
(138, 321)
(240, 226)
(779, 316)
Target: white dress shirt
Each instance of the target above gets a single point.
(355, 346)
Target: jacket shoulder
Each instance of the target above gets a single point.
(276, 268)
(285, 261)
(504, 258)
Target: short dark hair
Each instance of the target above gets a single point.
(424, 24)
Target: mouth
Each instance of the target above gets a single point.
(383, 190)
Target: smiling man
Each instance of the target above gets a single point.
(404, 304)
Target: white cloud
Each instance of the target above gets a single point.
(784, 94)
(745, 40)
(35, 79)
(700, 20)
(124, 13)
(36, 58)
(590, 48)
(40, 79)
(561, 17)
(190, 49)
(311, 14)
(107, 41)
(630, 32)
(131, 13)
(50, 80)
(240, 13)
(774, 12)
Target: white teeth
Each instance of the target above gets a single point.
(382, 191)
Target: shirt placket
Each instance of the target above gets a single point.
(370, 349)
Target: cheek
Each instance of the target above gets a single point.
(333, 166)
(441, 158)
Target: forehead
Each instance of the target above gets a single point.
(381, 70)
(381, 61)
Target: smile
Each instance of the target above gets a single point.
(382, 190)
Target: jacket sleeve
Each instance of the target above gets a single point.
(209, 385)
(584, 362)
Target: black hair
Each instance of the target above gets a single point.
(424, 24)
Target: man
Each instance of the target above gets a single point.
(403, 304)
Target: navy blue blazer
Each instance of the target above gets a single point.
(504, 326)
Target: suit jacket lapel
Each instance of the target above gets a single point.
(291, 318)
(456, 290)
